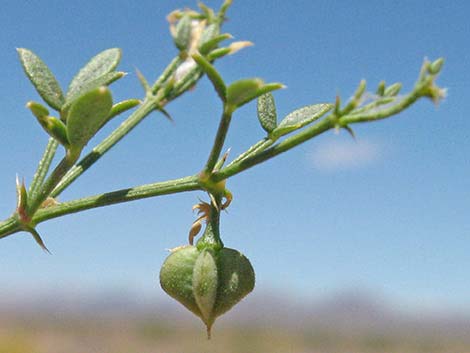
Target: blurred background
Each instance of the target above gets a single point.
(357, 246)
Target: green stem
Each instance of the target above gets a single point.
(56, 176)
(190, 183)
(9, 226)
(211, 237)
(135, 118)
(218, 142)
(382, 113)
(43, 167)
(251, 159)
(170, 69)
(269, 153)
(258, 146)
(125, 195)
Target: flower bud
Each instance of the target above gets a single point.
(207, 281)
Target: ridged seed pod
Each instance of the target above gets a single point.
(208, 282)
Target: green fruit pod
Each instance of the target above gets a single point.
(208, 282)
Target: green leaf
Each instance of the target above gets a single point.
(301, 117)
(393, 90)
(104, 80)
(209, 32)
(42, 78)
(209, 44)
(435, 67)
(56, 129)
(267, 115)
(243, 91)
(123, 106)
(38, 110)
(218, 53)
(213, 75)
(98, 66)
(87, 115)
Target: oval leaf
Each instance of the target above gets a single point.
(242, 91)
(123, 106)
(87, 115)
(209, 33)
(42, 78)
(301, 117)
(99, 65)
(267, 115)
(213, 43)
(103, 80)
(56, 129)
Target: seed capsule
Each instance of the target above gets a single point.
(206, 281)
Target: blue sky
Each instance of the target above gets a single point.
(388, 213)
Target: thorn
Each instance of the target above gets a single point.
(226, 154)
(214, 202)
(22, 200)
(166, 114)
(337, 129)
(143, 81)
(337, 105)
(222, 161)
(176, 248)
(209, 328)
(38, 239)
(351, 132)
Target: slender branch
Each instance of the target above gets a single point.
(424, 87)
(56, 176)
(385, 112)
(9, 226)
(170, 69)
(125, 195)
(258, 146)
(269, 153)
(190, 183)
(218, 142)
(149, 104)
(43, 167)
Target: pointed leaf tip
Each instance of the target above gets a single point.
(98, 66)
(245, 90)
(301, 117)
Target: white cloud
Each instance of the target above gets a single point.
(340, 154)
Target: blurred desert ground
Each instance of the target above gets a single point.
(117, 322)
